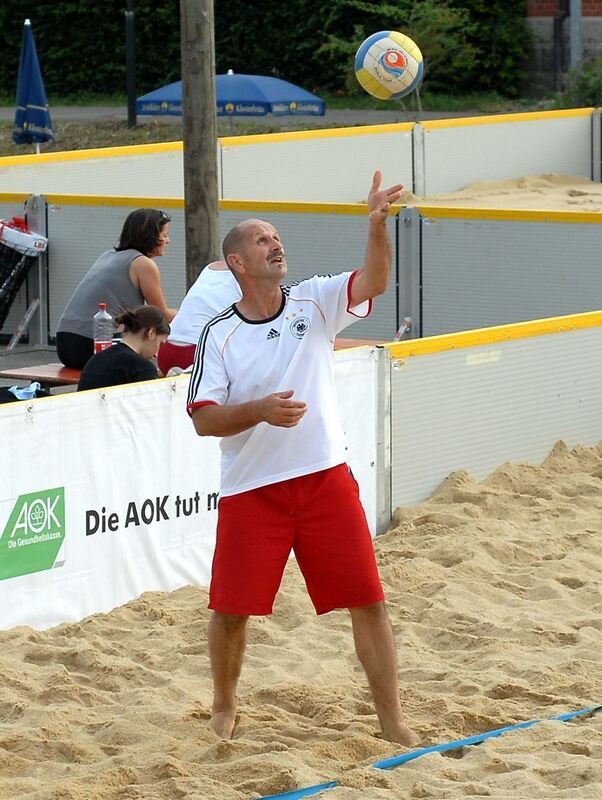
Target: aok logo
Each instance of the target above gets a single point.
(34, 534)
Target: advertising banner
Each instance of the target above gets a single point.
(104, 495)
(107, 494)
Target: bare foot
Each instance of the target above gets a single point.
(403, 735)
(223, 723)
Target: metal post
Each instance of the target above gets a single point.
(384, 511)
(559, 18)
(596, 146)
(409, 300)
(35, 214)
(418, 161)
(576, 33)
(24, 324)
(130, 62)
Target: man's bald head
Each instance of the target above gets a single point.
(234, 241)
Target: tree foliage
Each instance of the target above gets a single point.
(468, 44)
(499, 32)
(583, 87)
(81, 44)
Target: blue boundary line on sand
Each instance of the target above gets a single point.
(395, 761)
(296, 794)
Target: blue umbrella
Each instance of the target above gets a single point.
(238, 96)
(32, 118)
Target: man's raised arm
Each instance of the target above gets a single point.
(373, 278)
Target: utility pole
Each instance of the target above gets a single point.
(199, 130)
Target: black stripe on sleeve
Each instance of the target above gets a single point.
(199, 356)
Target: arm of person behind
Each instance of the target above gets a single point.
(146, 276)
(373, 278)
(279, 409)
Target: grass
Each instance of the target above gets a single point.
(477, 101)
(482, 102)
(85, 134)
(81, 99)
(82, 135)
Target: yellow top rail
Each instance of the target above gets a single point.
(494, 335)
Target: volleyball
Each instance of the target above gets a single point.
(388, 65)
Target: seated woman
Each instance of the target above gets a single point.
(128, 361)
(124, 277)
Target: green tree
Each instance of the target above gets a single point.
(443, 34)
(81, 44)
(583, 86)
(500, 33)
(467, 44)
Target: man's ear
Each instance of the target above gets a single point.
(235, 263)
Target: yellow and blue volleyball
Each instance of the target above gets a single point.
(389, 65)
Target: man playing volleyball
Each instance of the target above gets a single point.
(263, 380)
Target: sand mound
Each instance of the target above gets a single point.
(532, 192)
(494, 593)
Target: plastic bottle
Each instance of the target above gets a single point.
(103, 328)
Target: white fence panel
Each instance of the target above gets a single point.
(315, 243)
(78, 234)
(475, 408)
(152, 171)
(334, 166)
(482, 272)
(460, 152)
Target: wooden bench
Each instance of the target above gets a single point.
(47, 375)
(343, 344)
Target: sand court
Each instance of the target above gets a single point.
(494, 592)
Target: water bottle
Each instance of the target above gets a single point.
(103, 328)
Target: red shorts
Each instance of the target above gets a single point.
(318, 516)
(175, 355)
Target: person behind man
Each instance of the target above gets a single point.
(124, 277)
(263, 380)
(129, 360)
(214, 289)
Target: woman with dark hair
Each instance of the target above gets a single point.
(129, 361)
(124, 277)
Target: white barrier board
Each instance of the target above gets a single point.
(475, 408)
(518, 144)
(319, 167)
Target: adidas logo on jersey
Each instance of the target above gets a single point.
(272, 334)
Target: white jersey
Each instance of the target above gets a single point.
(212, 291)
(238, 360)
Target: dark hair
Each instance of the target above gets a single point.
(233, 240)
(143, 318)
(141, 230)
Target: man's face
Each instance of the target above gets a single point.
(262, 253)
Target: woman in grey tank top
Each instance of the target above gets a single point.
(123, 278)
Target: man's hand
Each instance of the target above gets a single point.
(380, 200)
(278, 409)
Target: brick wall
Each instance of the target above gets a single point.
(547, 8)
